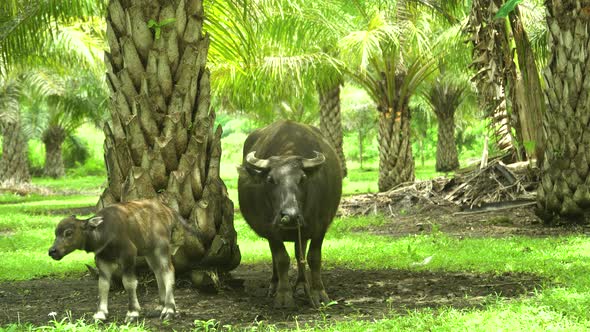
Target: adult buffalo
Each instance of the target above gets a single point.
(289, 189)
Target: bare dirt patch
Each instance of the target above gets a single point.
(409, 215)
(243, 301)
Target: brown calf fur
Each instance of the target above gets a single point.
(117, 235)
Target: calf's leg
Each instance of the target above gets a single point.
(154, 263)
(130, 284)
(168, 281)
(161, 263)
(314, 259)
(105, 272)
(280, 258)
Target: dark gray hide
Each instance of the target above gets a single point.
(292, 178)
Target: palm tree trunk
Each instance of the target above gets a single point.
(14, 167)
(331, 120)
(396, 163)
(565, 181)
(489, 50)
(361, 150)
(161, 141)
(53, 139)
(446, 149)
(529, 98)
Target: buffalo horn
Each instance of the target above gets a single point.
(313, 162)
(258, 163)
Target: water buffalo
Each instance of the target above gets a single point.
(117, 235)
(289, 188)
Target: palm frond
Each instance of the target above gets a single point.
(10, 86)
(22, 22)
(267, 54)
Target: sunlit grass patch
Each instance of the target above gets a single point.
(85, 183)
(504, 316)
(68, 324)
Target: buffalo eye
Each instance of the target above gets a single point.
(270, 179)
(68, 233)
(303, 178)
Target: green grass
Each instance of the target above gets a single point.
(72, 183)
(563, 263)
(26, 233)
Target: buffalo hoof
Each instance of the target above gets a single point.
(132, 316)
(301, 289)
(167, 314)
(284, 300)
(100, 316)
(272, 289)
(319, 296)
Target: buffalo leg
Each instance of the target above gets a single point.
(130, 284)
(274, 279)
(301, 285)
(105, 272)
(314, 258)
(284, 296)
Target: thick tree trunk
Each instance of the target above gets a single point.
(565, 181)
(331, 120)
(490, 48)
(396, 163)
(14, 167)
(53, 139)
(161, 141)
(446, 149)
(529, 98)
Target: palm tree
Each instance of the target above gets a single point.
(564, 191)
(509, 85)
(161, 140)
(59, 104)
(14, 168)
(72, 90)
(444, 97)
(331, 118)
(25, 28)
(24, 23)
(267, 53)
(383, 55)
(489, 61)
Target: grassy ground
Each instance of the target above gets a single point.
(26, 232)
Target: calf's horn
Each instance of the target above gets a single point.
(314, 162)
(258, 163)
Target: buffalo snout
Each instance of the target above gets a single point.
(290, 219)
(54, 253)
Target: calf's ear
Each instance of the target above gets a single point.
(95, 221)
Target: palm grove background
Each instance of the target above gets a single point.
(396, 86)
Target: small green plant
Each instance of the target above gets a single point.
(210, 325)
(157, 26)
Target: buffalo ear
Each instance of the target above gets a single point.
(95, 221)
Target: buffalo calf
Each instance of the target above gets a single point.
(117, 235)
